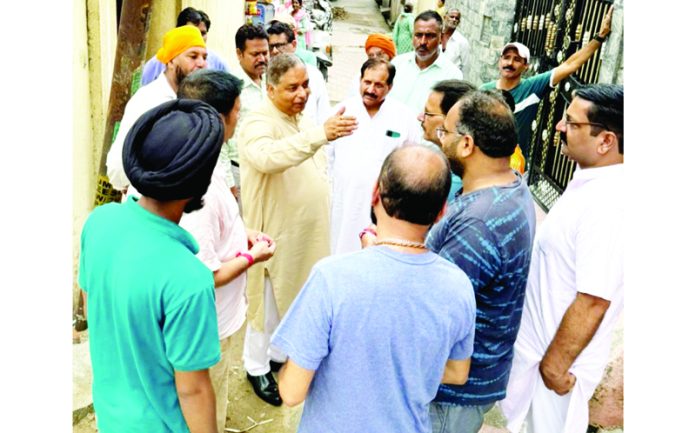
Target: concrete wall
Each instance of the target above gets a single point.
(94, 48)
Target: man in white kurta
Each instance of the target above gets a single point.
(575, 288)
(355, 161)
(455, 46)
(183, 51)
(286, 194)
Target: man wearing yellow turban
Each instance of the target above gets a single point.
(183, 51)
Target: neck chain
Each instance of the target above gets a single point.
(402, 243)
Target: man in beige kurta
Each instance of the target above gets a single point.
(286, 195)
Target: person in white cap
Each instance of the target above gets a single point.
(514, 61)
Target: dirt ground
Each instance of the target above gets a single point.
(244, 407)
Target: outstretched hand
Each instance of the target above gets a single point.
(339, 125)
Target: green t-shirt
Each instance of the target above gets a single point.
(151, 310)
(528, 93)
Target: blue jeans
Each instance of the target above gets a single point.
(448, 418)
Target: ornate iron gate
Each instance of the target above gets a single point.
(553, 30)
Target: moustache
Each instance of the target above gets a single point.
(563, 137)
(508, 68)
(371, 95)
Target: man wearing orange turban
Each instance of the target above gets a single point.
(183, 51)
(378, 45)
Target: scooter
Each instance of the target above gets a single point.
(321, 47)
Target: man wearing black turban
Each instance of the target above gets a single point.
(151, 303)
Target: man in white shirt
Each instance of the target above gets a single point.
(418, 71)
(183, 51)
(281, 39)
(355, 160)
(454, 45)
(575, 287)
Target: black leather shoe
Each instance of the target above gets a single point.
(266, 388)
(275, 366)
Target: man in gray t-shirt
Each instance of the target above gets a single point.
(376, 331)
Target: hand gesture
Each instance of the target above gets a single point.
(339, 125)
(262, 250)
(605, 28)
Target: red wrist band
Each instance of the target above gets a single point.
(366, 230)
(246, 256)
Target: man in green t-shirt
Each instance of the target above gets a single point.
(528, 92)
(150, 301)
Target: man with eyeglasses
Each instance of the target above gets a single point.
(487, 231)
(454, 45)
(442, 97)
(514, 61)
(419, 70)
(252, 53)
(575, 288)
(281, 39)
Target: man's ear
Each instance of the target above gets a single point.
(609, 141)
(239, 54)
(465, 146)
(375, 195)
(270, 90)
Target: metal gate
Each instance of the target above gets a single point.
(553, 30)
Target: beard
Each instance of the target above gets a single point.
(456, 167)
(194, 204)
(180, 75)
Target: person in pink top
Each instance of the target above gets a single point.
(227, 247)
(303, 25)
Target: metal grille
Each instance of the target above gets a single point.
(553, 30)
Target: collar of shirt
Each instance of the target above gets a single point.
(582, 176)
(248, 82)
(436, 64)
(292, 119)
(162, 82)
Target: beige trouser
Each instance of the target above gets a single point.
(219, 376)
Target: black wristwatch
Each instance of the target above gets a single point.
(598, 38)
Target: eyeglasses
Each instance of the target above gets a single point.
(567, 122)
(442, 133)
(277, 46)
(426, 114)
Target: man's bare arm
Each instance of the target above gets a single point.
(579, 324)
(456, 371)
(293, 383)
(197, 400)
(575, 62)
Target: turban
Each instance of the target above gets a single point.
(383, 42)
(171, 150)
(178, 40)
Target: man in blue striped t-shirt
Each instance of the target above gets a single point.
(488, 232)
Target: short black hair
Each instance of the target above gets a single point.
(486, 117)
(607, 107)
(373, 63)
(413, 187)
(217, 88)
(276, 28)
(452, 91)
(189, 15)
(206, 19)
(248, 32)
(429, 15)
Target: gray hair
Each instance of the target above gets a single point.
(279, 65)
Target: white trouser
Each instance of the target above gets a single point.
(257, 348)
(548, 411)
